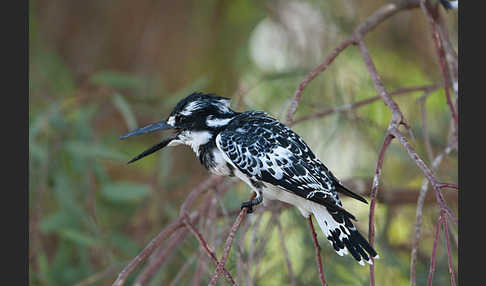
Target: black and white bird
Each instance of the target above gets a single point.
(274, 161)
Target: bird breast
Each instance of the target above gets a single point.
(214, 161)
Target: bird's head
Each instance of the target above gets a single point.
(196, 119)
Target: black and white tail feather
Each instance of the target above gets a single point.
(273, 160)
(343, 235)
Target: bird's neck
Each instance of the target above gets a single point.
(196, 139)
(205, 153)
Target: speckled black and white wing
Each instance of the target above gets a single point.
(265, 150)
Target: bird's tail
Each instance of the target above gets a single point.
(343, 235)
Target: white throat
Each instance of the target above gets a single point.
(193, 139)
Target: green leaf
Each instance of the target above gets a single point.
(116, 79)
(78, 237)
(88, 149)
(125, 110)
(56, 221)
(125, 192)
(125, 244)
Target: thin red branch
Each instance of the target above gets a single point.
(434, 250)
(364, 102)
(196, 278)
(196, 192)
(448, 185)
(244, 265)
(149, 271)
(425, 126)
(433, 18)
(418, 217)
(182, 271)
(445, 77)
(449, 255)
(147, 251)
(229, 242)
(322, 67)
(210, 253)
(374, 190)
(380, 15)
(397, 116)
(318, 252)
(164, 234)
(451, 54)
(254, 240)
(426, 170)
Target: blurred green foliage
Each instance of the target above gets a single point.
(100, 68)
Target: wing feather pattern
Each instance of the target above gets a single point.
(266, 150)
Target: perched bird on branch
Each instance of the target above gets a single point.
(274, 161)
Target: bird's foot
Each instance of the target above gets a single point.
(249, 204)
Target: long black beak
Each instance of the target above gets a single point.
(162, 125)
(154, 148)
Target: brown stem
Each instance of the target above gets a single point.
(229, 242)
(426, 170)
(397, 116)
(448, 185)
(364, 102)
(147, 251)
(449, 255)
(149, 271)
(196, 192)
(163, 235)
(182, 271)
(433, 18)
(374, 191)
(322, 67)
(434, 250)
(418, 218)
(210, 253)
(425, 126)
(318, 251)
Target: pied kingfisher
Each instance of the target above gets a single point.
(274, 161)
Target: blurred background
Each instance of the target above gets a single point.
(101, 68)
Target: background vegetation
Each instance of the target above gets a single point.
(100, 68)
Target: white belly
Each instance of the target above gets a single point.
(269, 192)
(305, 206)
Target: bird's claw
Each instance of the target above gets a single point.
(249, 205)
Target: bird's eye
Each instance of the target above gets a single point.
(180, 118)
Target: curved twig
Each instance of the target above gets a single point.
(374, 190)
(434, 249)
(210, 253)
(229, 242)
(318, 252)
